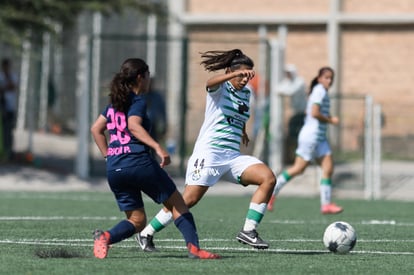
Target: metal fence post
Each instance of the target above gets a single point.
(82, 106)
(368, 148)
(377, 124)
(276, 109)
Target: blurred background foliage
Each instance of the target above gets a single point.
(28, 19)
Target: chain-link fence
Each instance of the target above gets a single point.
(62, 98)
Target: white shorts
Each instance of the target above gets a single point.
(311, 150)
(200, 173)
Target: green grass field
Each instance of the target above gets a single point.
(50, 233)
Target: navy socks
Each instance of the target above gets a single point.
(123, 230)
(185, 223)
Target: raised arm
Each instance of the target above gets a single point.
(216, 80)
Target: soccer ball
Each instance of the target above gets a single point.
(339, 237)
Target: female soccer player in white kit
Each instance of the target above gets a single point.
(313, 142)
(217, 154)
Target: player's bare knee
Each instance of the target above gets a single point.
(270, 179)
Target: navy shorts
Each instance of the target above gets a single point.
(148, 177)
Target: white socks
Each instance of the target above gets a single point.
(161, 220)
(254, 216)
(326, 191)
(281, 181)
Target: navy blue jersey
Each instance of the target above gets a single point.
(123, 147)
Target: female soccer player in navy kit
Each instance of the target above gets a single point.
(313, 142)
(216, 154)
(131, 169)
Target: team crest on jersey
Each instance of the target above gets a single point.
(243, 108)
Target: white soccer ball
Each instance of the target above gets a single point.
(339, 237)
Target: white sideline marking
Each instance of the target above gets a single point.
(52, 218)
(203, 240)
(277, 250)
(370, 222)
(51, 196)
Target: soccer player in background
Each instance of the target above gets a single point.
(313, 142)
(131, 168)
(216, 153)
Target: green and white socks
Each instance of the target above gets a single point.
(254, 216)
(282, 179)
(161, 220)
(326, 190)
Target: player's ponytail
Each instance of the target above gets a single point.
(314, 82)
(124, 81)
(217, 60)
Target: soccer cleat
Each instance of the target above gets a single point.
(196, 253)
(331, 208)
(252, 238)
(146, 243)
(271, 203)
(101, 243)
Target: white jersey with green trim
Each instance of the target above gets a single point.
(313, 129)
(227, 111)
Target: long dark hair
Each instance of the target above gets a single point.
(322, 70)
(217, 60)
(124, 81)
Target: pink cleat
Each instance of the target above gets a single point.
(331, 208)
(196, 253)
(101, 244)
